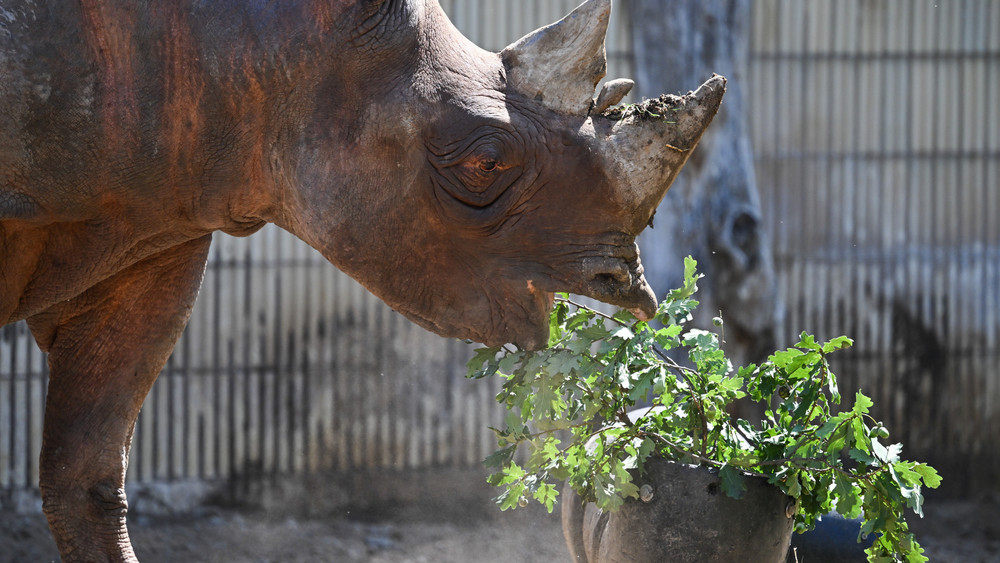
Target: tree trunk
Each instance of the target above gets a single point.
(713, 210)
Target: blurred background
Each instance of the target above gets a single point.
(852, 186)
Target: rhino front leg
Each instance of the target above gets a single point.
(106, 348)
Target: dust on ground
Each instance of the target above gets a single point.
(425, 526)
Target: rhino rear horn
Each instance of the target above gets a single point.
(561, 64)
(612, 93)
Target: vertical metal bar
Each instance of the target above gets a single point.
(227, 466)
(385, 372)
(306, 346)
(369, 385)
(883, 345)
(277, 398)
(12, 396)
(934, 142)
(161, 440)
(979, 242)
(245, 429)
(36, 402)
(314, 386)
(955, 322)
(45, 384)
(990, 280)
(179, 451)
(7, 335)
(838, 315)
(217, 270)
(29, 412)
(353, 407)
(781, 239)
(264, 369)
(345, 372)
(911, 217)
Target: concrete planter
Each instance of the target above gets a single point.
(685, 517)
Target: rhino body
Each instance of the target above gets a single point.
(460, 186)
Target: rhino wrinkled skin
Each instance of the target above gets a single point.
(460, 186)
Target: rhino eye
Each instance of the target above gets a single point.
(479, 171)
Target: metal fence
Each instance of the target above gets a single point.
(877, 139)
(876, 126)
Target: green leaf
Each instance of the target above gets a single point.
(839, 343)
(690, 284)
(562, 362)
(606, 496)
(646, 447)
(511, 497)
(624, 316)
(624, 486)
(861, 456)
(908, 482)
(794, 485)
(668, 333)
(592, 333)
(622, 333)
(508, 362)
(928, 473)
(546, 494)
(840, 438)
(862, 450)
(848, 497)
(548, 401)
(732, 481)
(732, 383)
(483, 363)
(501, 457)
(886, 454)
(796, 364)
(807, 341)
(831, 384)
(512, 473)
(781, 358)
(644, 382)
(861, 403)
(579, 318)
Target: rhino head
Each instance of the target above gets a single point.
(465, 187)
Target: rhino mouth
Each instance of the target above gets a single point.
(611, 272)
(614, 277)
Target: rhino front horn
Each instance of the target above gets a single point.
(560, 64)
(646, 145)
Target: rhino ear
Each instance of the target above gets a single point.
(561, 64)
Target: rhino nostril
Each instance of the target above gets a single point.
(606, 269)
(622, 276)
(610, 283)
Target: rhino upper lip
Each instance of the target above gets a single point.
(614, 276)
(618, 266)
(617, 283)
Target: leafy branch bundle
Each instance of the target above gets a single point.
(569, 405)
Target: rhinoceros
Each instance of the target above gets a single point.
(460, 186)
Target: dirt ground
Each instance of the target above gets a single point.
(424, 527)
(225, 535)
